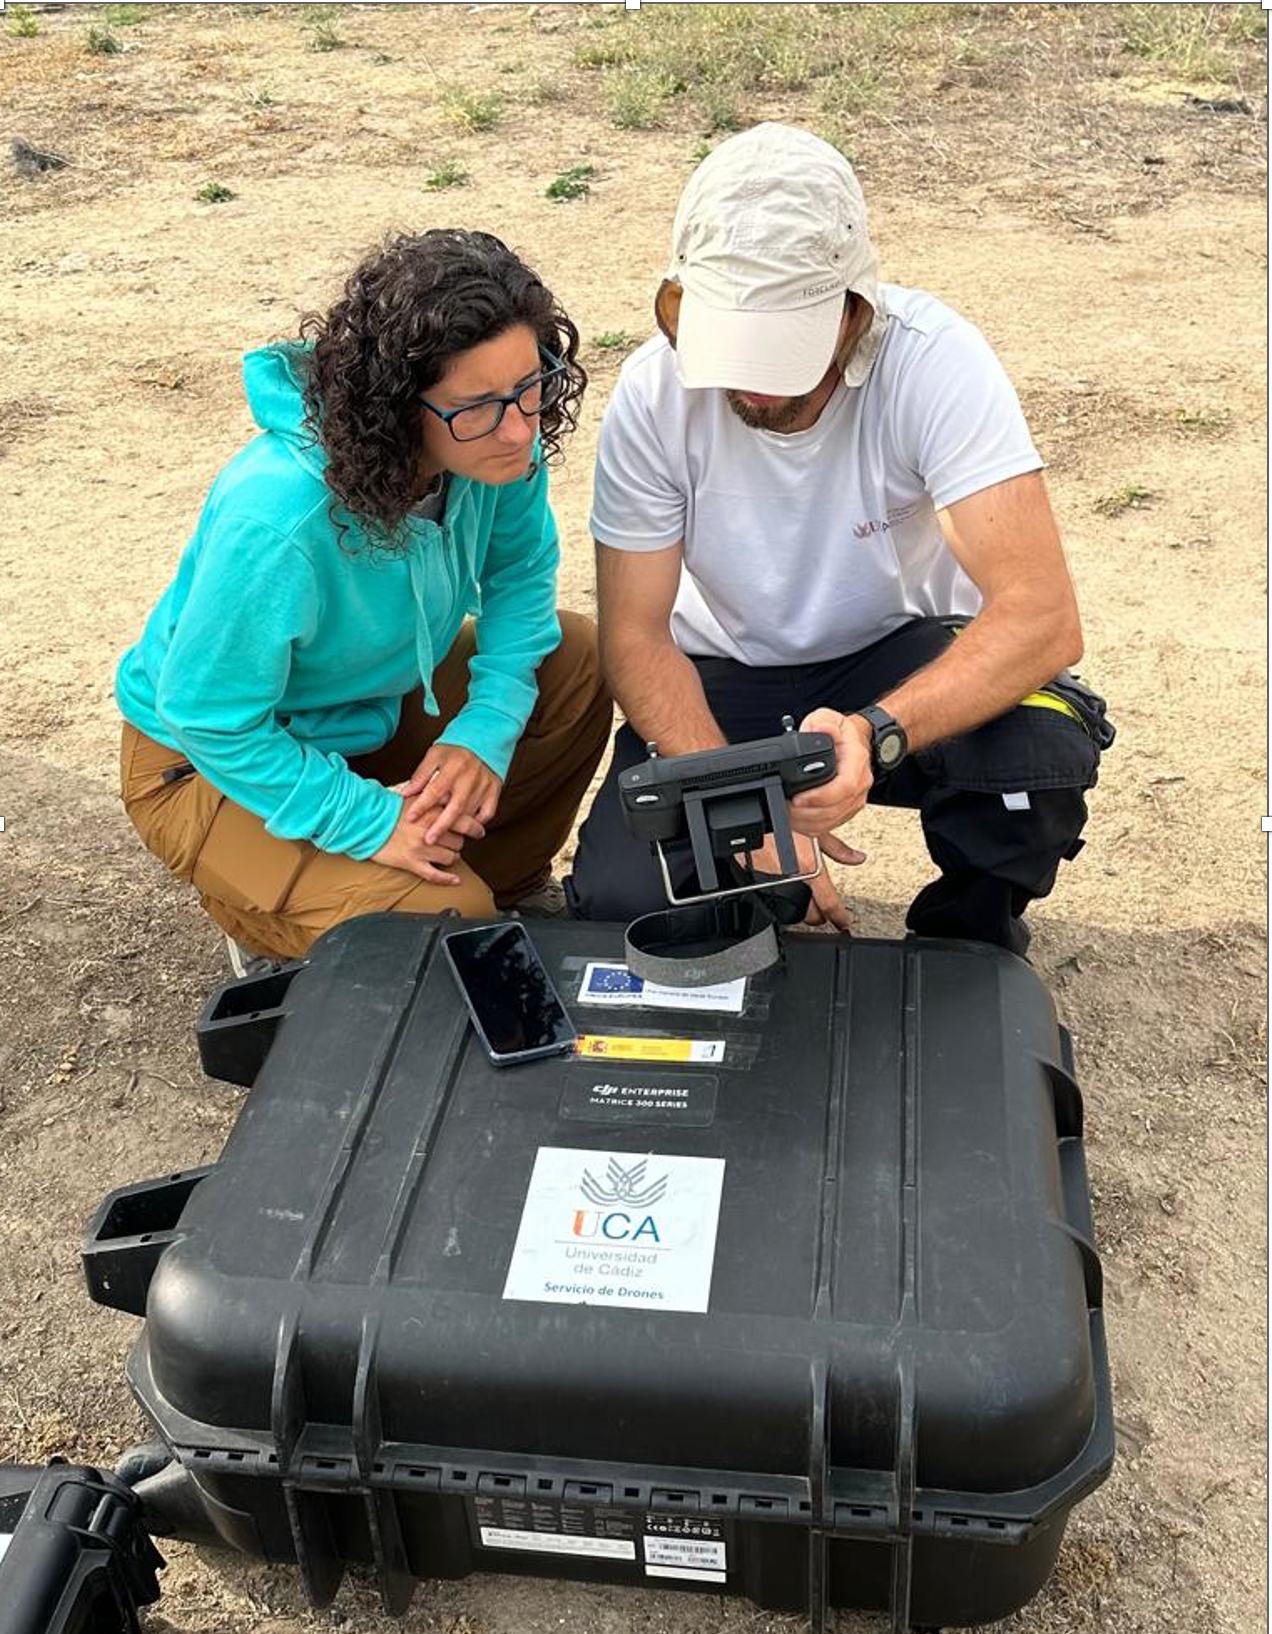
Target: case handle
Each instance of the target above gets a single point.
(238, 1024)
(128, 1235)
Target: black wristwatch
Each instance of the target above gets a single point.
(888, 742)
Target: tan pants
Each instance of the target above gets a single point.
(277, 896)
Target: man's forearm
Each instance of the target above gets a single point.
(658, 689)
(1001, 657)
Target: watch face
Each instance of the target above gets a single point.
(889, 748)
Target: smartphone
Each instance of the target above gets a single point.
(515, 1008)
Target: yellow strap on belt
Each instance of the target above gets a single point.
(1044, 700)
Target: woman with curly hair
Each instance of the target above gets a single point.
(314, 726)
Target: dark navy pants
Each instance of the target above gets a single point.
(993, 859)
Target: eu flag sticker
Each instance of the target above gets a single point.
(614, 984)
(606, 981)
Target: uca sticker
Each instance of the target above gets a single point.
(617, 1228)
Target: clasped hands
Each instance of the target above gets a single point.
(817, 812)
(453, 794)
(449, 798)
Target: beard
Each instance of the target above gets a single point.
(780, 416)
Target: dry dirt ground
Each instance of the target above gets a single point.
(1090, 191)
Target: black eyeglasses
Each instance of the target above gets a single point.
(480, 419)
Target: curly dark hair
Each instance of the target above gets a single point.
(408, 308)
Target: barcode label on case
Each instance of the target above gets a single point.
(701, 1559)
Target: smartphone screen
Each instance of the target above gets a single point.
(509, 994)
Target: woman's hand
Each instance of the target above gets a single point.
(408, 848)
(451, 792)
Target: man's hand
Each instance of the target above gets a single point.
(408, 848)
(819, 810)
(452, 791)
(827, 906)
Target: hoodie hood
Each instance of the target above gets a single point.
(443, 583)
(273, 381)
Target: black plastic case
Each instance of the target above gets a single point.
(895, 1395)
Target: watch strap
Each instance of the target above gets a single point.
(882, 725)
(877, 717)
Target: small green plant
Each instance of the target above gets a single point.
(852, 93)
(700, 152)
(214, 193)
(967, 54)
(125, 16)
(1131, 497)
(450, 173)
(1200, 420)
(574, 183)
(261, 97)
(787, 65)
(22, 23)
(636, 98)
(1183, 38)
(544, 89)
(720, 108)
(613, 340)
(323, 37)
(1247, 25)
(102, 43)
(613, 52)
(472, 111)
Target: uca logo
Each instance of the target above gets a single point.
(625, 1190)
(625, 1186)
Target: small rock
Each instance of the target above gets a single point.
(31, 162)
(1208, 104)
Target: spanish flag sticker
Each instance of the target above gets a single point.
(608, 1047)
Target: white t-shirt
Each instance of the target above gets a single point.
(810, 546)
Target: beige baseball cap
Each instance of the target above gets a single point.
(769, 234)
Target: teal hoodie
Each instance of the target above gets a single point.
(278, 650)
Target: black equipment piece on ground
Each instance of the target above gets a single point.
(75, 1555)
(724, 802)
(890, 1395)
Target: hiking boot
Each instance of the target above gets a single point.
(546, 901)
(243, 962)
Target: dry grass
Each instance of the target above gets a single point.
(1081, 113)
(891, 81)
(1070, 423)
(19, 417)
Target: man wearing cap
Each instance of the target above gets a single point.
(816, 495)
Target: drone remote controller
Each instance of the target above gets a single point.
(726, 801)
